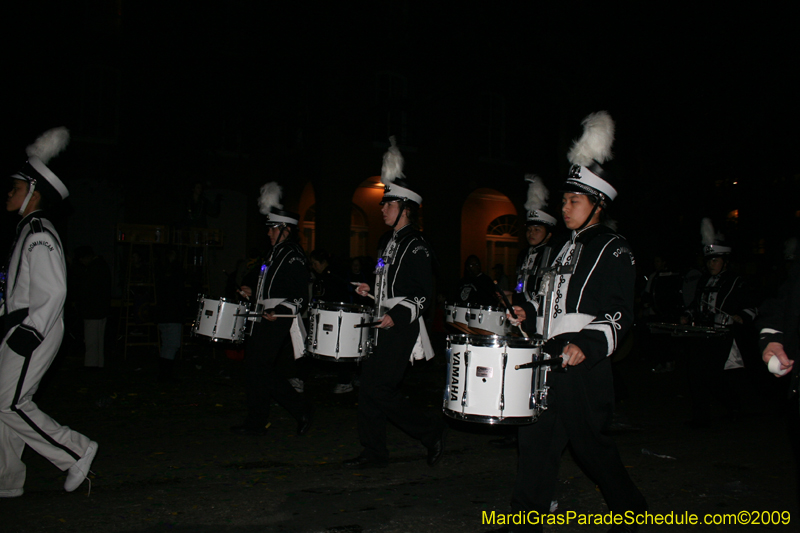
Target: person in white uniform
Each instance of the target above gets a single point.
(32, 308)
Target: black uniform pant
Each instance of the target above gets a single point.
(581, 405)
(709, 382)
(380, 397)
(263, 381)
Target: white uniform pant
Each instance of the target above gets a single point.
(21, 421)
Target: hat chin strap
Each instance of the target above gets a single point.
(31, 188)
(402, 205)
(591, 215)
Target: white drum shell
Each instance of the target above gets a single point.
(218, 320)
(449, 311)
(482, 388)
(460, 314)
(489, 319)
(332, 333)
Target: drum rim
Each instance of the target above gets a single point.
(339, 306)
(495, 341)
(487, 308)
(204, 298)
(492, 420)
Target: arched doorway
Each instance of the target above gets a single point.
(490, 230)
(502, 242)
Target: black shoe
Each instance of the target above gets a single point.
(305, 421)
(250, 429)
(363, 461)
(436, 450)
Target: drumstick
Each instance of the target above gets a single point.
(241, 293)
(506, 303)
(367, 324)
(543, 362)
(357, 284)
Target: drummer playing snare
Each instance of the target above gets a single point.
(585, 313)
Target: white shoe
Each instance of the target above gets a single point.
(342, 388)
(10, 493)
(80, 470)
(297, 384)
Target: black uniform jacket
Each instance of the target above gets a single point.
(599, 294)
(733, 298)
(287, 276)
(409, 275)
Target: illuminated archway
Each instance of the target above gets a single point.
(490, 229)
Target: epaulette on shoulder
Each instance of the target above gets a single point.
(36, 225)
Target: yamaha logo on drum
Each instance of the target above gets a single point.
(454, 368)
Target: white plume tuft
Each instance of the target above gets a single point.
(270, 197)
(49, 144)
(392, 164)
(595, 143)
(537, 193)
(707, 231)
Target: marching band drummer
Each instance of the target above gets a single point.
(722, 302)
(282, 288)
(538, 232)
(404, 287)
(588, 311)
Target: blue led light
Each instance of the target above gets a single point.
(519, 286)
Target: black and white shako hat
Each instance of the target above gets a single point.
(588, 154)
(35, 171)
(269, 204)
(395, 184)
(713, 243)
(537, 199)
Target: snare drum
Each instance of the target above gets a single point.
(449, 312)
(487, 320)
(458, 317)
(483, 385)
(222, 320)
(332, 334)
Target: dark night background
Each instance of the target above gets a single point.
(159, 94)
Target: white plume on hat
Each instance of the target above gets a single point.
(270, 197)
(49, 144)
(537, 193)
(392, 164)
(595, 143)
(708, 234)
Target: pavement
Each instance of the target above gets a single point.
(168, 462)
